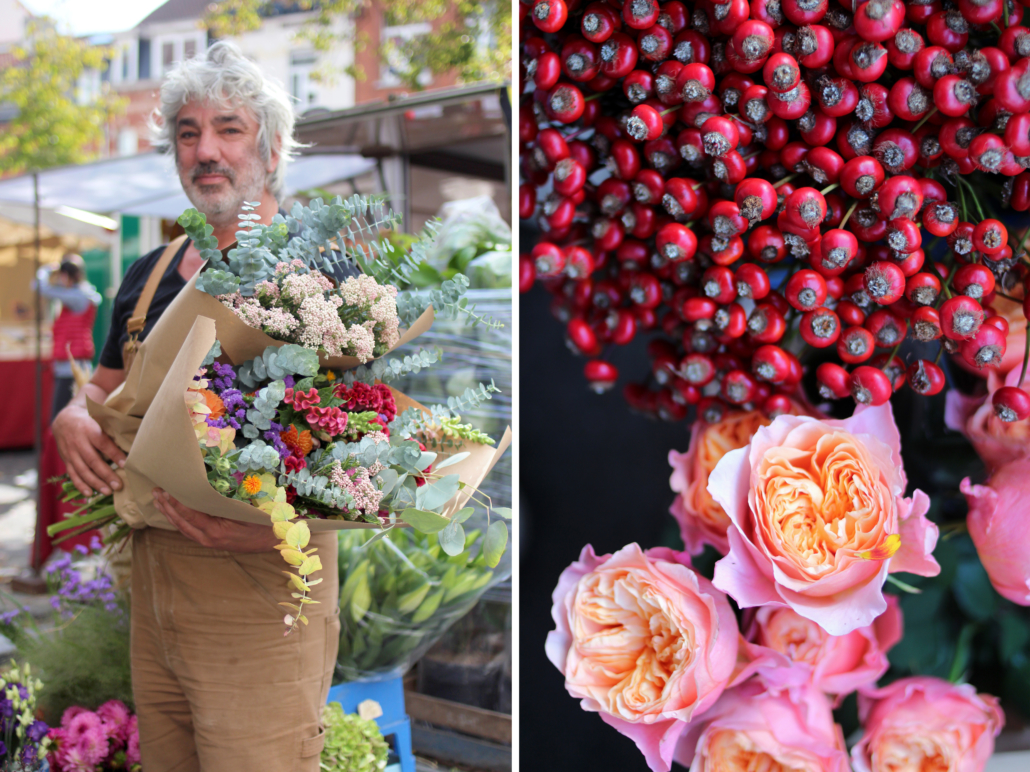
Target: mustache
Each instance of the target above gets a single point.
(201, 170)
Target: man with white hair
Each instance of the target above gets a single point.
(217, 686)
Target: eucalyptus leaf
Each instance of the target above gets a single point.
(495, 542)
(452, 539)
(462, 515)
(503, 512)
(425, 522)
(435, 494)
(453, 459)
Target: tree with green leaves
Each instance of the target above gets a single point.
(53, 126)
(469, 37)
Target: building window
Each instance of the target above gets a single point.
(189, 49)
(167, 56)
(302, 86)
(395, 61)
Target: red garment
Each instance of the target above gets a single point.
(74, 331)
(18, 396)
(51, 508)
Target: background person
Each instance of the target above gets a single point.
(73, 325)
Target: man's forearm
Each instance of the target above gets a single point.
(95, 393)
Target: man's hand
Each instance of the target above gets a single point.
(86, 451)
(215, 532)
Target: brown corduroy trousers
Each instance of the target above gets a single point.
(218, 687)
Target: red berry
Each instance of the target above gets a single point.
(805, 290)
(1011, 404)
(925, 378)
(550, 15)
(990, 237)
(960, 317)
(985, 349)
(855, 345)
(870, 386)
(885, 282)
(600, 374)
(527, 273)
(820, 327)
(834, 381)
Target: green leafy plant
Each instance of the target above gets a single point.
(352, 743)
(401, 591)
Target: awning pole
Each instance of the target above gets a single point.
(115, 263)
(38, 416)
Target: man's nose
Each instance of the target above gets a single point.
(208, 149)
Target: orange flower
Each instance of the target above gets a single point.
(214, 403)
(299, 443)
(251, 485)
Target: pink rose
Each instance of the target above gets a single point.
(644, 641)
(926, 723)
(834, 664)
(701, 520)
(996, 441)
(998, 516)
(752, 729)
(819, 517)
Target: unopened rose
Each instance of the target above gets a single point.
(925, 723)
(819, 517)
(997, 442)
(834, 664)
(701, 520)
(644, 641)
(751, 729)
(999, 513)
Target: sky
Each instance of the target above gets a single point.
(87, 17)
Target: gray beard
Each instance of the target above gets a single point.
(223, 207)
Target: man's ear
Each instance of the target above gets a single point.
(273, 157)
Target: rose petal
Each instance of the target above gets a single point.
(918, 538)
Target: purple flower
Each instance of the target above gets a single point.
(37, 731)
(273, 438)
(289, 381)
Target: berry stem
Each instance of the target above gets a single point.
(592, 97)
(1022, 243)
(828, 188)
(976, 199)
(940, 351)
(1005, 13)
(848, 214)
(663, 113)
(784, 181)
(890, 359)
(923, 120)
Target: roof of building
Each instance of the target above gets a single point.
(177, 10)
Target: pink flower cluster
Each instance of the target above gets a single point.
(305, 308)
(816, 517)
(358, 483)
(87, 741)
(331, 420)
(302, 400)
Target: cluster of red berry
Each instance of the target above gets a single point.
(677, 158)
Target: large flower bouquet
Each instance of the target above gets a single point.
(23, 737)
(289, 436)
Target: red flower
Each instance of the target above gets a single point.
(302, 400)
(295, 463)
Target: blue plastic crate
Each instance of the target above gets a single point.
(394, 721)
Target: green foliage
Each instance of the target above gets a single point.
(83, 661)
(400, 591)
(448, 302)
(51, 127)
(389, 369)
(352, 743)
(471, 38)
(444, 418)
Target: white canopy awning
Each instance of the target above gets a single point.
(148, 185)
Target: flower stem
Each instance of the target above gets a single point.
(903, 586)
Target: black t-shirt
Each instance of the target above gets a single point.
(128, 295)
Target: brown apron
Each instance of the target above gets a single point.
(138, 320)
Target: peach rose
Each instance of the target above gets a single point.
(996, 441)
(751, 729)
(644, 641)
(701, 520)
(998, 516)
(819, 517)
(834, 664)
(925, 723)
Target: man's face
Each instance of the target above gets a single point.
(218, 160)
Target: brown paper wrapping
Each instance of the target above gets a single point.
(166, 453)
(239, 343)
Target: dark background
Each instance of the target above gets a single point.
(592, 473)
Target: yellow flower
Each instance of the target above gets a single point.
(330, 376)
(252, 485)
